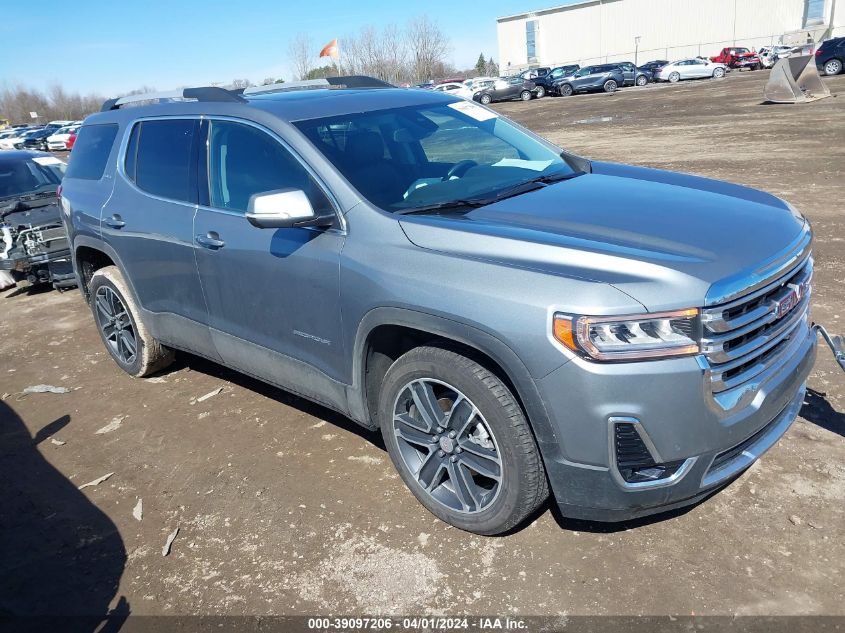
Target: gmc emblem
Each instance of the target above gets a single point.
(784, 306)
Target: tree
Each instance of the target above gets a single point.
(481, 65)
(241, 83)
(301, 55)
(427, 47)
(492, 69)
(321, 72)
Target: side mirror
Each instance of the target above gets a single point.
(284, 209)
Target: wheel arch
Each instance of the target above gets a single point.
(89, 255)
(384, 334)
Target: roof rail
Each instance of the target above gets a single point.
(329, 83)
(209, 93)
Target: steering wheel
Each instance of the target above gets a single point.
(459, 169)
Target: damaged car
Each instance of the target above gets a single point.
(33, 239)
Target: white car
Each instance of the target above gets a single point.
(58, 141)
(690, 69)
(9, 137)
(454, 88)
(770, 54)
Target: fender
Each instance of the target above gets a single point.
(468, 335)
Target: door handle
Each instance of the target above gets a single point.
(115, 221)
(211, 240)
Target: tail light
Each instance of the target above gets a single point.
(819, 52)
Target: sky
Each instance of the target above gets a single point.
(117, 46)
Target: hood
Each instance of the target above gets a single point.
(667, 240)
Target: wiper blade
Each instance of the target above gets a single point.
(532, 185)
(451, 205)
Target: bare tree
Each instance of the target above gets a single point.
(241, 83)
(301, 55)
(427, 47)
(16, 103)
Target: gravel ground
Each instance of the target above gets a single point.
(283, 507)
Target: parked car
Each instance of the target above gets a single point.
(830, 56)
(634, 76)
(71, 139)
(534, 73)
(690, 69)
(514, 317)
(457, 89)
(546, 83)
(655, 65)
(36, 139)
(606, 77)
(58, 140)
(770, 54)
(506, 89)
(14, 136)
(738, 57)
(33, 240)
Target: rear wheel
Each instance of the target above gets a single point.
(718, 73)
(642, 80)
(460, 441)
(525, 95)
(541, 92)
(119, 323)
(674, 77)
(610, 85)
(485, 99)
(565, 90)
(832, 67)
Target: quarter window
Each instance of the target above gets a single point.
(91, 151)
(159, 158)
(244, 162)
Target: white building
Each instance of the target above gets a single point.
(597, 31)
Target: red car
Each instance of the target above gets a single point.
(738, 57)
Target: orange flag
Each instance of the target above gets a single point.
(330, 50)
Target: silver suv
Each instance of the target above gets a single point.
(512, 317)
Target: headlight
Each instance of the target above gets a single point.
(633, 337)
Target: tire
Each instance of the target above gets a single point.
(610, 86)
(642, 80)
(485, 99)
(491, 433)
(111, 298)
(541, 92)
(565, 90)
(525, 95)
(832, 67)
(718, 73)
(675, 77)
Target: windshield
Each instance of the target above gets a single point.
(41, 174)
(417, 156)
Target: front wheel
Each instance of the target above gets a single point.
(565, 90)
(525, 95)
(674, 77)
(833, 67)
(460, 441)
(119, 323)
(541, 92)
(610, 85)
(485, 99)
(718, 73)
(642, 80)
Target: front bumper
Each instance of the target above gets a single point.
(672, 403)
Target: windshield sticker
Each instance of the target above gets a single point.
(533, 165)
(47, 160)
(476, 112)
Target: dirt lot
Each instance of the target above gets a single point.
(284, 507)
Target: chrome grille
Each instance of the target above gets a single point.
(745, 337)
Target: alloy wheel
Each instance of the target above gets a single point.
(833, 67)
(541, 92)
(447, 446)
(116, 325)
(674, 77)
(642, 80)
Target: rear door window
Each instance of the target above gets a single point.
(161, 158)
(91, 151)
